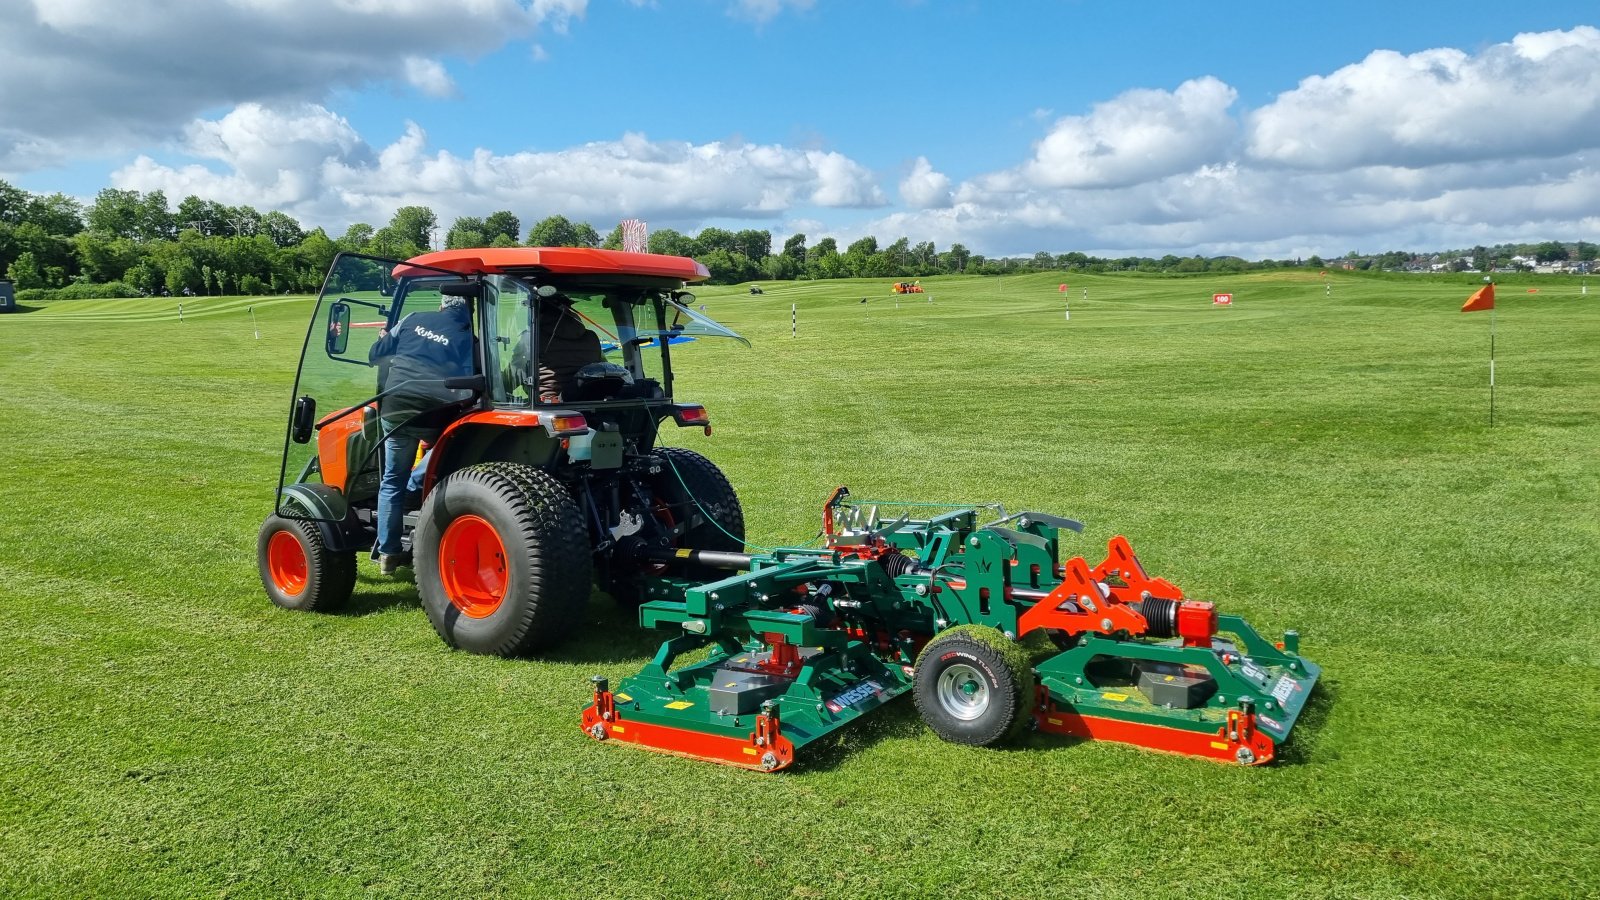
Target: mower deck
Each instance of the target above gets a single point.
(804, 641)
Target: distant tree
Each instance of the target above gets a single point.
(1315, 261)
(1550, 251)
(205, 216)
(925, 258)
(357, 238)
(502, 222)
(857, 255)
(25, 272)
(553, 231)
(710, 239)
(795, 248)
(1190, 264)
(1585, 252)
(585, 235)
(412, 228)
(1044, 259)
(116, 213)
(281, 229)
(670, 243)
(155, 218)
(467, 231)
(780, 267)
(958, 257)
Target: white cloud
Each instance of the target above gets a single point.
(93, 77)
(1538, 95)
(308, 162)
(925, 188)
(1138, 136)
(762, 11)
(429, 77)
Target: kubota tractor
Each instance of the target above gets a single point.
(527, 500)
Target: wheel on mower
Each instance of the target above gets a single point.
(689, 485)
(297, 568)
(973, 686)
(502, 559)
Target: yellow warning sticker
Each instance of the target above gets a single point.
(1117, 697)
(750, 751)
(1169, 678)
(679, 704)
(683, 553)
(617, 729)
(1052, 721)
(623, 697)
(732, 684)
(1218, 745)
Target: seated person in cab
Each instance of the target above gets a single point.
(565, 347)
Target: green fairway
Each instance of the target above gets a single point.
(1310, 458)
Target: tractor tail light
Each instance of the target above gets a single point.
(691, 415)
(568, 423)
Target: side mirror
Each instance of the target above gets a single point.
(305, 415)
(338, 339)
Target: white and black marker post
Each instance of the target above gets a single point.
(180, 312)
(254, 324)
(794, 321)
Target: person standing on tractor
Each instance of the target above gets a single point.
(414, 359)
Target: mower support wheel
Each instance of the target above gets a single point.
(297, 568)
(973, 686)
(502, 559)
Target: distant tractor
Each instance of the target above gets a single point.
(906, 287)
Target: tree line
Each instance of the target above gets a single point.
(127, 243)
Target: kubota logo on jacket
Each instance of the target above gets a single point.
(431, 335)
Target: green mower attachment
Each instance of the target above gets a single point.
(803, 641)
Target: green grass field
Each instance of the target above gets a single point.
(1308, 461)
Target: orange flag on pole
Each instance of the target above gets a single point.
(1481, 299)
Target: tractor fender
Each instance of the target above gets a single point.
(519, 436)
(328, 510)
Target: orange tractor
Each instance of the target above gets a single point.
(906, 287)
(526, 499)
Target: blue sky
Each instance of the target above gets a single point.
(1247, 128)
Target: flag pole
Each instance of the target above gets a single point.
(1491, 367)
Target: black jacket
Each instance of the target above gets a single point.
(422, 349)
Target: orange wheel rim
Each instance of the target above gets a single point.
(472, 566)
(286, 563)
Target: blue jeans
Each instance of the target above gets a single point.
(398, 453)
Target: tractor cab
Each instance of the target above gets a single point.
(570, 383)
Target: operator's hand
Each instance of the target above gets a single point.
(383, 333)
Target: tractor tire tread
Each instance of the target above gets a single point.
(550, 536)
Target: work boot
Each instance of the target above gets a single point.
(389, 562)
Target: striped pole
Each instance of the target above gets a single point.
(253, 323)
(794, 322)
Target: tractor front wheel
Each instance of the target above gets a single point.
(502, 559)
(973, 686)
(297, 568)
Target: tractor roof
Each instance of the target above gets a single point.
(559, 261)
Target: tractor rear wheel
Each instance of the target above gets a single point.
(973, 686)
(297, 568)
(689, 486)
(502, 559)
(693, 486)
